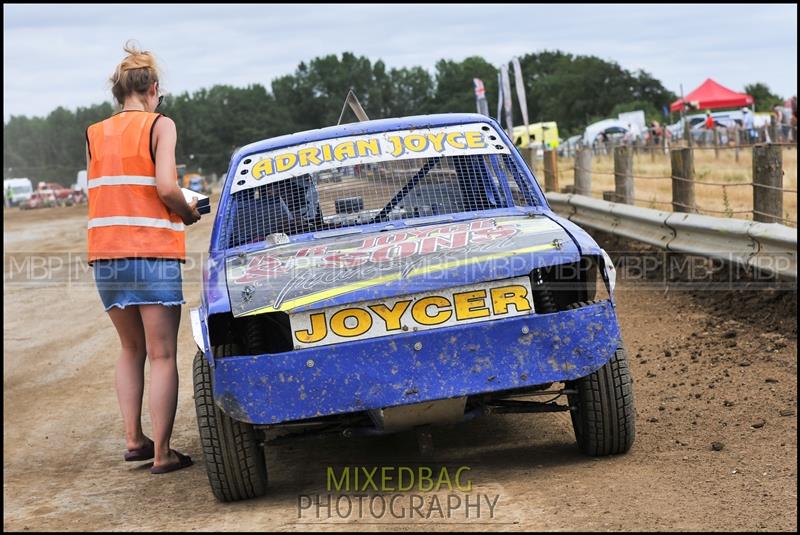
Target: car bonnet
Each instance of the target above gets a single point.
(359, 267)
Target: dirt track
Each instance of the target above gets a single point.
(706, 366)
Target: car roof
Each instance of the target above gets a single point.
(364, 127)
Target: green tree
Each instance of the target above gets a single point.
(650, 112)
(411, 92)
(454, 86)
(213, 122)
(765, 99)
(575, 90)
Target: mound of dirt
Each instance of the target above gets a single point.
(728, 291)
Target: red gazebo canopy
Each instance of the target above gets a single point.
(710, 95)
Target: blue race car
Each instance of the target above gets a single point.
(393, 274)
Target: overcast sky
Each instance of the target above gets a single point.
(62, 55)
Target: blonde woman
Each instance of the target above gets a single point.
(136, 246)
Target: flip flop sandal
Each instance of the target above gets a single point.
(183, 462)
(141, 454)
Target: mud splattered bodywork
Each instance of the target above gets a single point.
(385, 372)
(398, 309)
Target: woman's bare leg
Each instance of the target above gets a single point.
(130, 372)
(161, 335)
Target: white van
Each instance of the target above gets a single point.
(16, 191)
(81, 184)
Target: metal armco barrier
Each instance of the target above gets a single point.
(769, 247)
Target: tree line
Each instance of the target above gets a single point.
(573, 90)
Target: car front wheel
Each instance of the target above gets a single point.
(234, 458)
(602, 410)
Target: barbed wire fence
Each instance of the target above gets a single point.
(676, 190)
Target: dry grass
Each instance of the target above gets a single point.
(731, 201)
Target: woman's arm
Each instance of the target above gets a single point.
(165, 137)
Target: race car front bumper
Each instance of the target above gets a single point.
(415, 367)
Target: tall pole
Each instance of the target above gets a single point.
(507, 99)
(523, 104)
(480, 97)
(686, 132)
(499, 98)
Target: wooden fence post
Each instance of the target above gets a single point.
(583, 171)
(687, 132)
(716, 143)
(623, 174)
(767, 183)
(530, 156)
(738, 140)
(682, 180)
(550, 170)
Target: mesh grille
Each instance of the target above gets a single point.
(370, 193)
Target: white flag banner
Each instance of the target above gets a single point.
(499, 98)
(507, 99)
(523, 103)
(480, 97)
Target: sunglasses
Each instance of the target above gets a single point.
(160, 97)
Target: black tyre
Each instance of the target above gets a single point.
(234, 458)
(604, 414)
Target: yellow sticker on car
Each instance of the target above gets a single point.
(443, 308)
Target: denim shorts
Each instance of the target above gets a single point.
(138, 281)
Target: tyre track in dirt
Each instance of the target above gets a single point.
(695, 383)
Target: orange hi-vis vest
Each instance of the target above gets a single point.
(127, 218)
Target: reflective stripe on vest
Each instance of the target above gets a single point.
(134, 221)
(123, 180)
(127, 218)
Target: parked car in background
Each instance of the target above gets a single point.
(570, 145)
(17, 191)
(38, 199)
(51, 194)
(676, 128)
(542, 135)
(612, 129)
(697, 123)
(62, 195)
(635, 121)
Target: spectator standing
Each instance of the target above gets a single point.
(747, 119)
(709, 127)
(655, 130)
(785, 124)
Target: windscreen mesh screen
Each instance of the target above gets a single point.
(371, 193)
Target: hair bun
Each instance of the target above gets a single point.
(135, 73)
(137, 59)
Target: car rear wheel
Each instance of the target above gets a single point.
(234, 458)
(603, 411)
